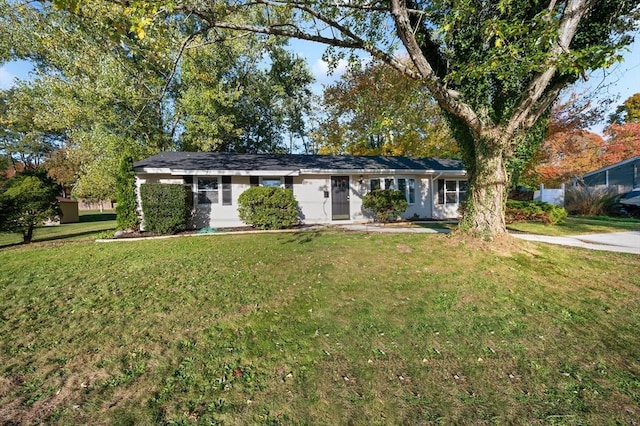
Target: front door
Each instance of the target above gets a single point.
(339, 197)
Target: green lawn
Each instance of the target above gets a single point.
(92, 223)
(575, 225)
(322, 327)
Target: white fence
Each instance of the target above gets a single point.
(551, 196)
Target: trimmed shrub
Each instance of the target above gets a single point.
(386, 204)
(166, 207)
(268, 208)
(536, 211)
(126, 215)
(588, 201)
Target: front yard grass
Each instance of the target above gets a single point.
(320, 327)
(91, 224)
(576, 225)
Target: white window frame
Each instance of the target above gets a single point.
(216, 190)
(455, 193)
(409, 190)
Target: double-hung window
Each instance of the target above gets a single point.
(406, 186)
(209, 190)
(451, 191)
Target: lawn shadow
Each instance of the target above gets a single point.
(55, 237)
(303, 236)
(97, 217)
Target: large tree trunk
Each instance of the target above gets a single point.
(488, 180)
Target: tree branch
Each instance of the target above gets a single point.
(446, 99)
(174, 68)
(353, 41)
(573, 13)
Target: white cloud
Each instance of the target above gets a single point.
(6, 79)
(320, 69)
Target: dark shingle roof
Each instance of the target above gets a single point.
(293, 162)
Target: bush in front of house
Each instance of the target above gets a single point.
(386, 204)
(268, 208)
(588, 201)
(166, 208)
(535, 211)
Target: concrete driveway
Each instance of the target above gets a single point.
(622, 242)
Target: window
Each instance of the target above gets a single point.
(408, 187)
(388, 183)
(452, 191)
(274, 182)
(208, 190)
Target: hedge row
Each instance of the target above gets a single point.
(166, 208)
(522, 211)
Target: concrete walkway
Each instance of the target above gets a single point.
(621, 242)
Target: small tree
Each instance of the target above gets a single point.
(127, 217)
(386, 204)
(28, 201)
(268, 208)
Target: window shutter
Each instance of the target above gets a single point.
(226, 190)
(254, 181)
(288, 182)
(440, 191)
(375, 184)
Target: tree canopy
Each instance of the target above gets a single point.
(375, 111)
(28, 200)
(105, 84)
(494, 67)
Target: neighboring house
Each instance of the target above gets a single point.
(329, 189)
(623, 176)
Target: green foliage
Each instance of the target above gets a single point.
(231, 102)
(386, 204)
(496, 66)
(268, 208)
(588, 201)
(376, 111)
(166, 208)
(29, 200)
(537, 211)
(127, 216)
(628, 112)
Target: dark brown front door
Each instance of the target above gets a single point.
(339, 197)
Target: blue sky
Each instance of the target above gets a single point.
(621, 81)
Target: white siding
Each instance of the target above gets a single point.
(218, 215)
(309, 191)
